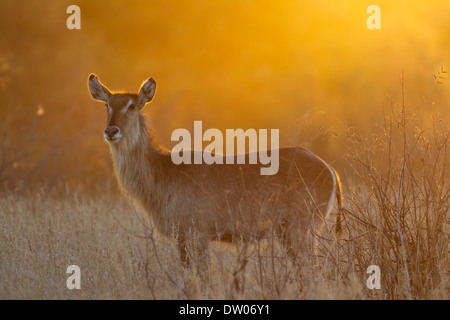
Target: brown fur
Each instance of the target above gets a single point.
(224, 202)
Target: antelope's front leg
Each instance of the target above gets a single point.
(193, 252)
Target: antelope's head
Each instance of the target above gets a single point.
(124, 119)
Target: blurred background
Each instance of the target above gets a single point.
(308, 68)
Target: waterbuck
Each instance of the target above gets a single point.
(224, 202)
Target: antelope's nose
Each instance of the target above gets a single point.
(111, 132)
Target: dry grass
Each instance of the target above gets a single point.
(398, 206)
(396, 217)
(41, 236)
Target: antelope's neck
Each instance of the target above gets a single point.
(136, 170)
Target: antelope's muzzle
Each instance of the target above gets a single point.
(112, 133)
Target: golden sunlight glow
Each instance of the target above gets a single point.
(305, 67)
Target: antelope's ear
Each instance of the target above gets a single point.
(97, 89)
(146, 92)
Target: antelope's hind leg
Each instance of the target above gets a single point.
(294, 240)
